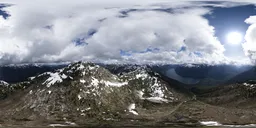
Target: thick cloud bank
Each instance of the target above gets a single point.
(111, 31)
(250, 37)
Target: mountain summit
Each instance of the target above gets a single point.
(86, 91)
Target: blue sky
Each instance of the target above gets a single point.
(226, 20)
(3, 13)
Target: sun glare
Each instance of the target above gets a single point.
(234, 38)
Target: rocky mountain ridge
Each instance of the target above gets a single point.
(87, 94)
(85, 91)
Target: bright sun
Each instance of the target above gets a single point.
(234, 38)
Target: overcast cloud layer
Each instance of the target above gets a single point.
(108, 31)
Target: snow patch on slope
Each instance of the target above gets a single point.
(115, 84)
(67, 124)
(140, 94)
(82, 81)
(63, 76)
(250, 85)
(210, 123)
(95, 82)
(131, 109)
(157, 100)
(3, 83)
(54, 78)
(157, 95)
(215, 123)
(156, 90)
(143, 76)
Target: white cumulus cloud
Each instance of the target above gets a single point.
(250, 38)
(108, 31)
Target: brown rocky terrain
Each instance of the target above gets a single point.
(85, 94)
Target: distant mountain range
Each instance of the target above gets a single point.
(244, 76)
(19, 73)
(203, 75)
